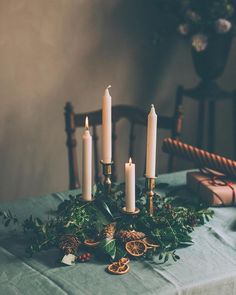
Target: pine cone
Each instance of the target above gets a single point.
(130, 235)
(69, 244)
(109, 231)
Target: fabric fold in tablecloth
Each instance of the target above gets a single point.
(206, 267)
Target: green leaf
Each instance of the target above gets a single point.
(103, 205)
(44, 228)
(161, 256)
(173, 256)
(38, 221)
(94, 189)
(120, 253)
(109, 247)
(166, 257)
(177, 257)
(102, 218)
(184, 238)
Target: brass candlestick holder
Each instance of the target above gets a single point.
(107, 172)
(150, 184)
(131, 216)
(87, 201)
(132, 213)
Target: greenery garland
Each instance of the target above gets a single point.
(169, 227)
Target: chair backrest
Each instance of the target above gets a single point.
(134, 115)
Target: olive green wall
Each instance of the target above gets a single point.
(52, 51)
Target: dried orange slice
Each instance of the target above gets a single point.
(91, 243)
(118, 268)
(124, 260)
(136, 248)
(150, 244)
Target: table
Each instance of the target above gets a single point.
(207, 267)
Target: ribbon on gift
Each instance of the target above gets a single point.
(217, 179)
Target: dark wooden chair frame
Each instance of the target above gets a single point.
(207, 93)
(134, 115)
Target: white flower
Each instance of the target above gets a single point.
(222, 26)
(183, 29)
(192, 15)
(199, 42)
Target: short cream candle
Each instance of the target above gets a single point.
(130, 186)
(87, 163)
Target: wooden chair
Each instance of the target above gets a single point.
(134, 115)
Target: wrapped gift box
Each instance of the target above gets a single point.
(214, 191)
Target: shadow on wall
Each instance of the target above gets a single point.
(140, 63)
(54, 51)
(132, 34)
(59, 50)
(122, 28)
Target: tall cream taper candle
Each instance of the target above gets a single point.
(151, 144)
(106, 127)
(87, 164)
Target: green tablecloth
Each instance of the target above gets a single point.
(207, 267)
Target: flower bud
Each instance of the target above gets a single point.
(183, 29)
(199, 42)
(222, 26)
(193, 16)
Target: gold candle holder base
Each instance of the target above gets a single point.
(130, 217)
(135, 212)
(107, 172)
(86, 201)
(150, 184)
